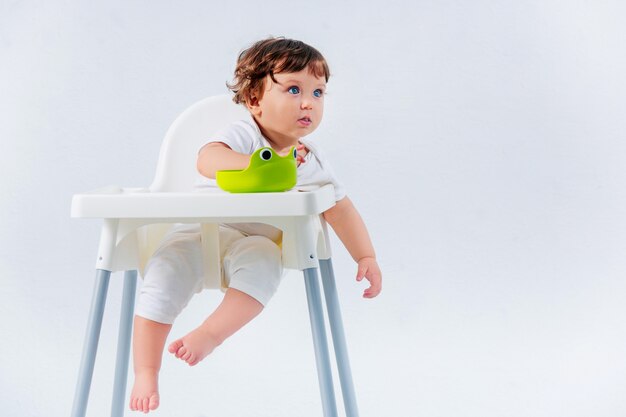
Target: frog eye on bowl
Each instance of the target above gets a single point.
(295, 154)
(266, 154)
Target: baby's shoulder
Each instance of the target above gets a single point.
(241, 135)
(242, 127)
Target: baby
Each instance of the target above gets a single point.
(282, 83)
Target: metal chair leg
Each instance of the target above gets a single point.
(320, 342)
(339, 338)
(90, 346)
(123, 344)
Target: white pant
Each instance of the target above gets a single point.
(251, 264)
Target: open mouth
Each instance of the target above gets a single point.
(305, 121)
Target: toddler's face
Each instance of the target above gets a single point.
(291, 108)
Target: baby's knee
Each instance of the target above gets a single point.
(254, 266)
(266, 254)
(166, 289)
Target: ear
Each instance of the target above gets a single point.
(253, 106)
(252, 103)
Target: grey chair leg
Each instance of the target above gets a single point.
(339, 338)
(320, 342)
(90, 346)
(123, 344)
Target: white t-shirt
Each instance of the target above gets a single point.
(244, 136)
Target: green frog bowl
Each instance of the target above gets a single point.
(267, 172)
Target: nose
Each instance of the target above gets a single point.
(306, 104)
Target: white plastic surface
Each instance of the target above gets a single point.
(114, 202)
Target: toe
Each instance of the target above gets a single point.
(154, 402)
(175, 345)
(181, 352)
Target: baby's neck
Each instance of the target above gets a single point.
(280, 143)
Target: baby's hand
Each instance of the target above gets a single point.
(368, 268)
(302, 151)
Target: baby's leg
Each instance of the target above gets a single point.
(171, 278)
(234, 312)
(253, 267)
(148, 343)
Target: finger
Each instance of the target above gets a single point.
(374, 289)
(371, 292)
(360, 274)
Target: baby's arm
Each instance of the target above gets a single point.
(347, 223)
(217, 156)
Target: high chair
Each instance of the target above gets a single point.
(135, 220)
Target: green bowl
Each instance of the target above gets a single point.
(268, 172)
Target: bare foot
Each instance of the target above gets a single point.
(145, 394)
(195, 346)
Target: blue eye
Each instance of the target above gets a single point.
(293, 90)
(318, 93)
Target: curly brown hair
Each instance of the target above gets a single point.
(273, 56)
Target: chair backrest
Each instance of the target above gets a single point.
(176, 169)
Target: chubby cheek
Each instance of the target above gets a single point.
(319, 112)
(286, 111)
(274, 117)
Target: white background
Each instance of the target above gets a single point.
(483, 143)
